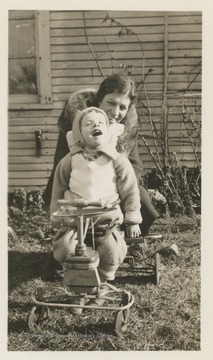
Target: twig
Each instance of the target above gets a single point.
(163, 122)
(158, 166)
(91, 49)
(108, 49)
(126, 31)
(190, 136)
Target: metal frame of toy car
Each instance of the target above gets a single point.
(39, 314)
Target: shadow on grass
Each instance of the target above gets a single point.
(96, 330)
(19, 323)
(94, 325)
(133, 279)
(23, 267)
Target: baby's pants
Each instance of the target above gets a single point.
(109, 243)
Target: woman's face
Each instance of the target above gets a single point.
(115, 106)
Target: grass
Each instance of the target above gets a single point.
(162, 318)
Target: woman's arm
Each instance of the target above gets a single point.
(128, 141)
(135, 160)
(128, 190)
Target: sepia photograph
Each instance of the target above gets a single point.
(104, 158)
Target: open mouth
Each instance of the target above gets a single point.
(96, 132)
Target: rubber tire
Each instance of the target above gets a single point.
(38, 315)
(157, 269)
(121, 321)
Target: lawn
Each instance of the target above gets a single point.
(163, 317)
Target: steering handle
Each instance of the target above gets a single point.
(80, 203)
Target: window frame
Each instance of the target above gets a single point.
(43, 68)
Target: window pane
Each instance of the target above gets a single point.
(22, 55)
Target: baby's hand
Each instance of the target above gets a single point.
(133, 230)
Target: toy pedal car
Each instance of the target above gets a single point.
(81, 278)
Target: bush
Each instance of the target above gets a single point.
(180, 186)
(26, 201)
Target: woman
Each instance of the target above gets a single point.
(116, 96)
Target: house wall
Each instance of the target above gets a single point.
(165, 47)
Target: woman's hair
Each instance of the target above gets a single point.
(119, 83)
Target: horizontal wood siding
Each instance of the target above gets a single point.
(137, 40)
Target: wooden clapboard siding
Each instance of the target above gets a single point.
(30, 160)
(184, 29)
(164, 46)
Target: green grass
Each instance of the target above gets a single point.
(164, 317)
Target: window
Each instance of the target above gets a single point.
(29, 82)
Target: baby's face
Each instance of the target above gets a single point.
(94, 129)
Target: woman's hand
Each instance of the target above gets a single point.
(133, 230)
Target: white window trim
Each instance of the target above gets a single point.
(44, 99)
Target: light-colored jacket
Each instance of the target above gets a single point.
(126, 184)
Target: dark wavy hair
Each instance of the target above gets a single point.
(119, 83)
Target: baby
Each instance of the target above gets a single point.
(93, 171)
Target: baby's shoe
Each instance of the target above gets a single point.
(77, 310)
(99, 301)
